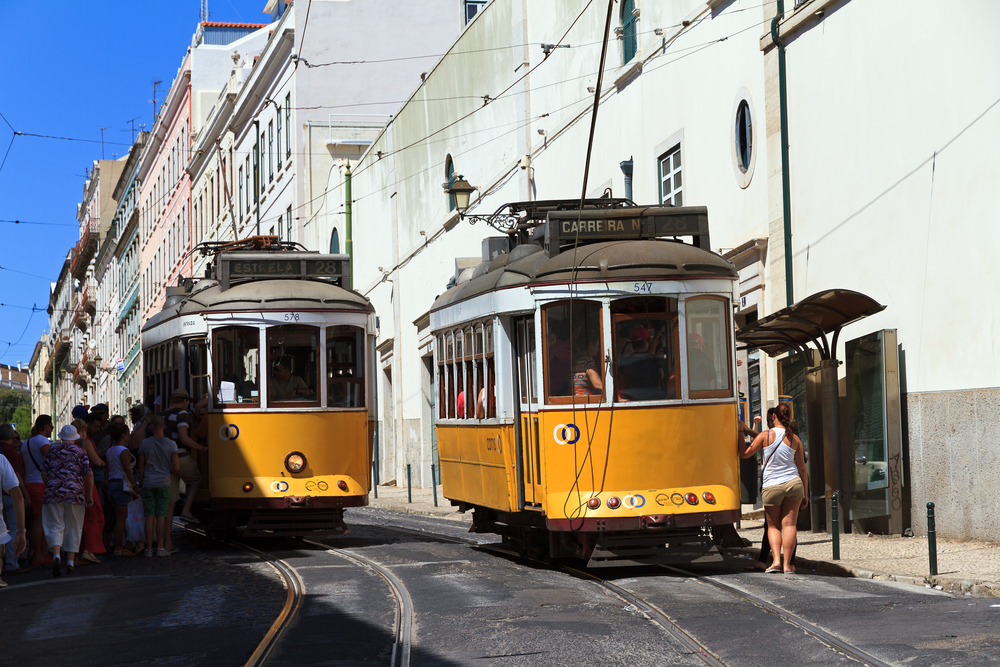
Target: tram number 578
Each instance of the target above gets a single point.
(643, 287)
(291, 317)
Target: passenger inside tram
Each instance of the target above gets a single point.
(585, 379)
(284, 386)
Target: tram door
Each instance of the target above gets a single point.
(531, 461)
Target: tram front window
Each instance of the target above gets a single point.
(574, 363)
(708, 347)
(237, 363)
(647, 357)
(345, 367)
(293, 357)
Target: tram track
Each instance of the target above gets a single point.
(814, 631)
(658, 616)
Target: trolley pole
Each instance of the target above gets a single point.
(835, 525)
(434, 485)
(409, 485)
(931, 539)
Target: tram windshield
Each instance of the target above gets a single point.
(293, 363)
(646, 348)
(237, 366)
(574, 364)
(708, 347)
(345, 367)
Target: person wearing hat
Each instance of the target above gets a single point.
(80, 412)
(69, 489)
(178, 428)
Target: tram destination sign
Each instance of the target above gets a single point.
(622, 224)
(287, 265)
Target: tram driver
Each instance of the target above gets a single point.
(284, 386)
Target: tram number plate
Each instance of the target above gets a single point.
(291, 317)
(643, 287)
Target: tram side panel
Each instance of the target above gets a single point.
(251, 448)
(654, 458)
(477, 464)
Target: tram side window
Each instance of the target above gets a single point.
(442, 380)
(574, 360)
(237, 366)
(451, 376)
(197, 368)
(293, 363)
(646, 348)
(707, 332)
(491, 377)
(345, 367)
(471, 378)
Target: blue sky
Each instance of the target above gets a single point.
(72, 68)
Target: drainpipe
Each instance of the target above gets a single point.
(626, 167)
(256, 171)
(348, 229)
(786, 193)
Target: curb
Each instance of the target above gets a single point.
(951, 584)
(453, 515)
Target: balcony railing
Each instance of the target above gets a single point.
(84, 250)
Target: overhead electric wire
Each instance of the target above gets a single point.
(24, 273)
(23, 331)
(33, 222)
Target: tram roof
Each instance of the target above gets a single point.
(207, 296)
(650, 259)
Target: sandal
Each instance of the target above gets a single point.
(773, 570)
(124, 552)
(89, 557)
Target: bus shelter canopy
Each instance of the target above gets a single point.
(791, 329)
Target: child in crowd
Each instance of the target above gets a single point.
(158, 459)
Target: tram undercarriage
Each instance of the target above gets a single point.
(647, 540)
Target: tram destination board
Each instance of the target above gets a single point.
(234, 266)
(623, 224)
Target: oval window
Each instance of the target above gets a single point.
(744, 136)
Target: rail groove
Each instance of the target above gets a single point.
(403, 629)
(810, 629)
(295, 591)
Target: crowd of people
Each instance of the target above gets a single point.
(99, 486)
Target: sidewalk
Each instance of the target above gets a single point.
(963, 567)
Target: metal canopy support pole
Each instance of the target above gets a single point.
(830, 397)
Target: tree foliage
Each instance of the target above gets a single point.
(15, 408)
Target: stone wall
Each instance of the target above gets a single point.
(954, 456)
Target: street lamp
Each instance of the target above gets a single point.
(462, 191)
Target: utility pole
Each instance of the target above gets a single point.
(132, 122)
(204, 13)
(102, 142)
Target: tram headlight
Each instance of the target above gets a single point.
(295, 462)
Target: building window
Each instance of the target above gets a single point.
(744, 136)
(335, 242)
(279, 138)
(288, 222)
(288, 125)
(281, 219)
(449, 174)
(473, 7)
(260, 160)
(270, 151)
(670, 178)
(629, 41)
(249, 188)
(241, 190)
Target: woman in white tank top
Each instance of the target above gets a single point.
(785, 485)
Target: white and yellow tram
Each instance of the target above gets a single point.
(279, 345)
(587, 405)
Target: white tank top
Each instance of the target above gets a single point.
(115, 462)
(780, 461)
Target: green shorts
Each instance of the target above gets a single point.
(154, 501)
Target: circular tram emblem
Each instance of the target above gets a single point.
(633, 501)
(313, 485)
(229, 432)
(279, 486)
(566, 434)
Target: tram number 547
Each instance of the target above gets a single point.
(643, 287)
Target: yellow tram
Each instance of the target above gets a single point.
(587, 405)
(279, 345)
